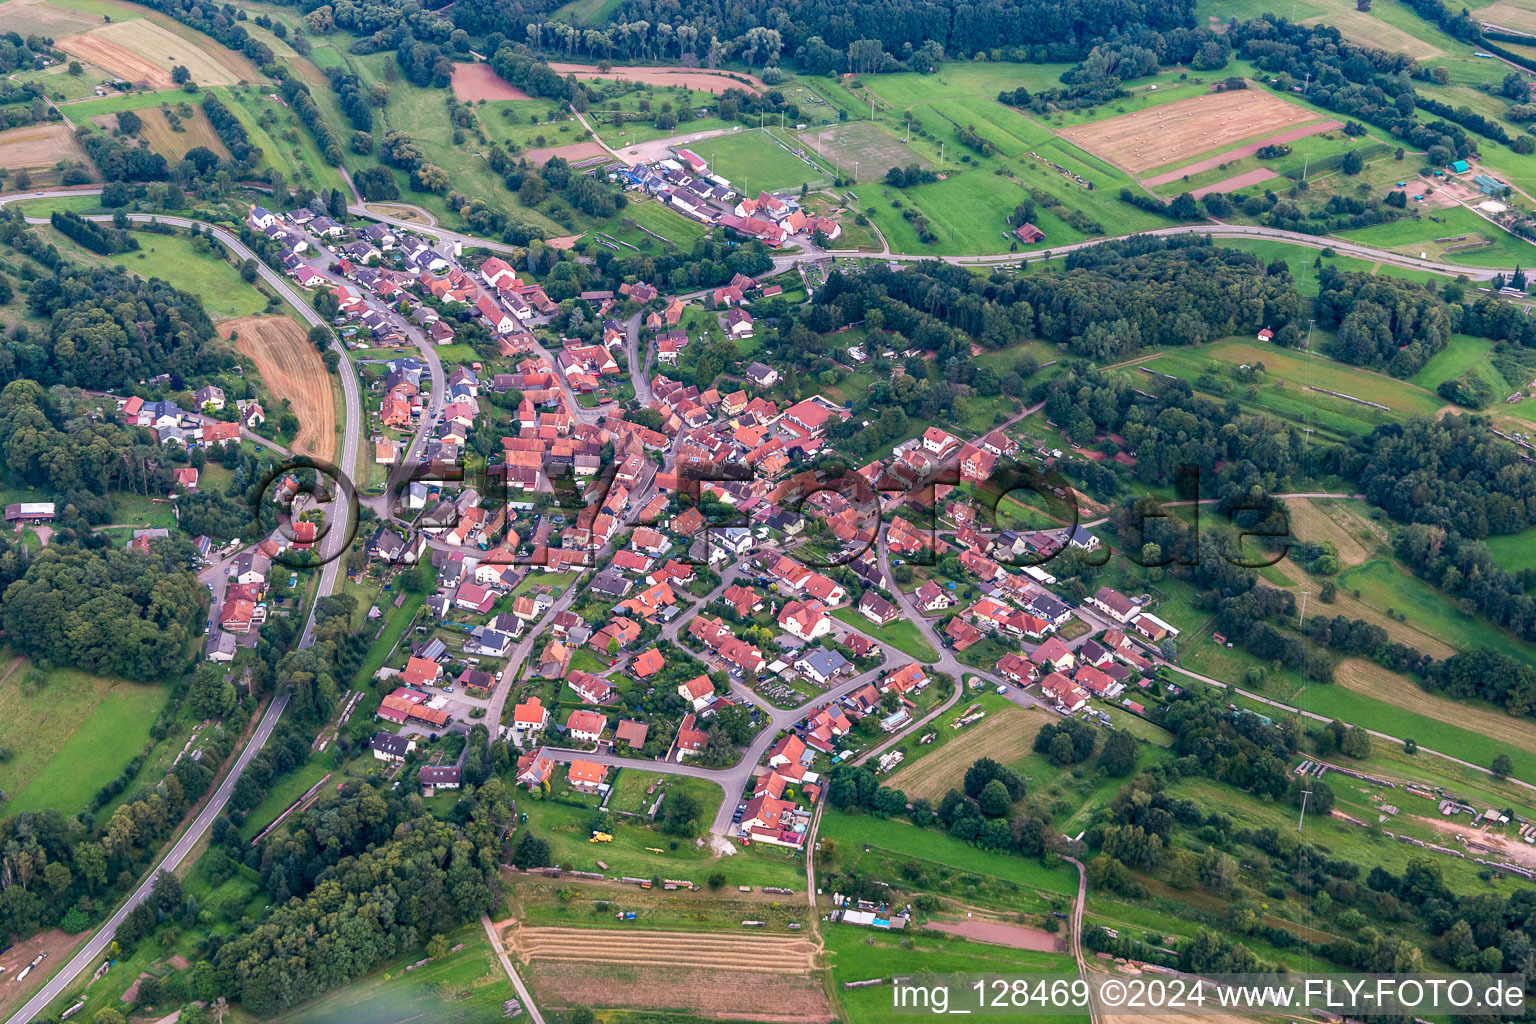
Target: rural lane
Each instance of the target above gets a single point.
(810, 255)
(332, 544)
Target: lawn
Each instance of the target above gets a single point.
(938, 848)
(633, 850)
(901, 634)
(188, 265)
(753, 161)
(467, 987)
(84, 110)
(71, 735)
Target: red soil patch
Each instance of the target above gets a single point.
(1015, 936)
(573, 153)
(697, 78)
(1236, 182)
(1242, 151)
(478, 82)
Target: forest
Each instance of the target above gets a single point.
(107, 328)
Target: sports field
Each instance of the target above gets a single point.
(753, 161)
(293, 370)
(861, 147)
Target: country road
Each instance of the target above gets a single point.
(94, 949)
(783, 261)
(732, 779)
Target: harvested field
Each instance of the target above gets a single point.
(1163, 134)
(37, 146)
(1368, 29)
(1235, 182)
(715, 994)
(478, 82)
(1372, 680)
(700, 79)
(749, 952)
(1005, 736)
(1230, 155)
(40, 18)
(1519, 15)
(574, 153)
(1315, 523)
(144, 53)
(173, 145)
(292, 368)
(1016, 936)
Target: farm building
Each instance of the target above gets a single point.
(1028, 234)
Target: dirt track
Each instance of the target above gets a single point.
(1001, 934)
(292, 369)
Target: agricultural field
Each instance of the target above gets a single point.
(1166, 134)
(703, 974)
(36, 148)
(144, 52)
(473, 82)
(172, 144)
(1003, 735)
(292, 370)
(69, 733)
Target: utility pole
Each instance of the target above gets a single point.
(1310, 324)
(1303, 613)
(1304, 165)
(871, 106)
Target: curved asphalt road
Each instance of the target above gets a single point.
(95, 947)
(731, 779)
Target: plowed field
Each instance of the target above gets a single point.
(292, 368)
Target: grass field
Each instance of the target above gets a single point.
(862, 150)
(1463, 353)
(71, 736)
(1004, 735)
(632, 851)
(1371, 680)
(901, 634)
(860, 954)
(938, 848)
(184, 263)
(753, 161)
(1288, 389)
(1413, 237)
